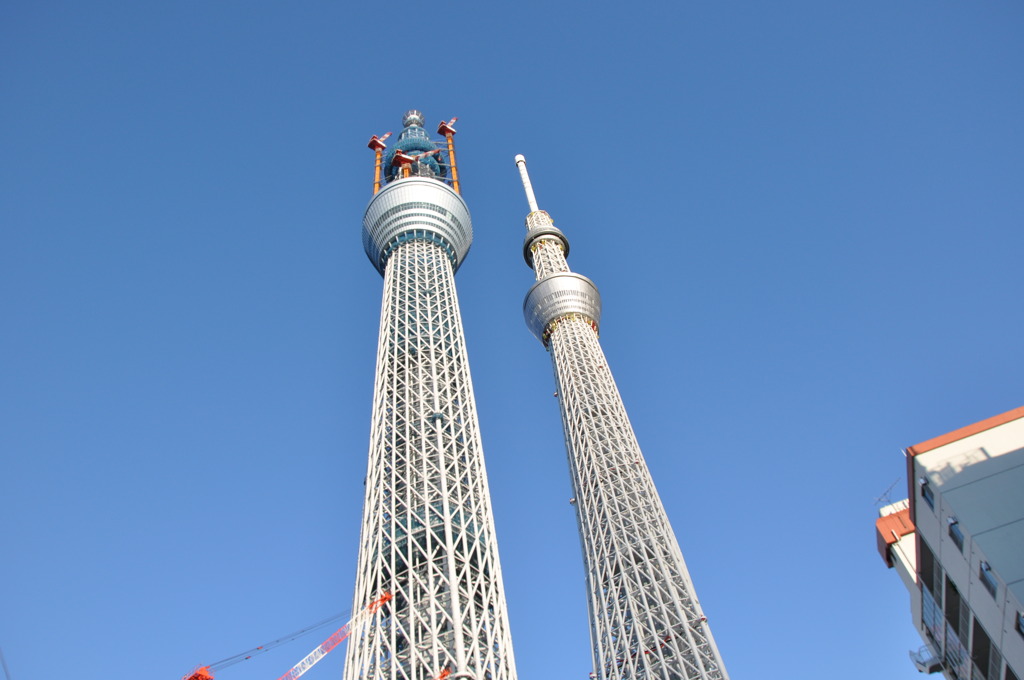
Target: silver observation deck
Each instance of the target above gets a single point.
(558, 296)
(416, 208)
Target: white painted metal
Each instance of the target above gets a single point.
(646, 622)
(428, 532)
(530, 198)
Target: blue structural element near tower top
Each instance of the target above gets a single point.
(414, 141)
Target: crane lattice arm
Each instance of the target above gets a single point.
(330, 643)
(206, 672)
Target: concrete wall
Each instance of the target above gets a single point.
(979, 480)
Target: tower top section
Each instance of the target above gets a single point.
(538, 222)
(412, 117)
(415, 154)
(416, 194)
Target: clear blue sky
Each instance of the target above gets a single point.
(804, 219)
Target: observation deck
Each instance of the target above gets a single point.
(416, 208)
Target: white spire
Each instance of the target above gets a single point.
(530, 198)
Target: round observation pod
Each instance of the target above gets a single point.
(413, 209)
(535, 234)
(556, 296)
(538, 224)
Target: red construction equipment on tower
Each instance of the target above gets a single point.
(206, 672)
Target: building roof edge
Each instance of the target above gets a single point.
(965, 432)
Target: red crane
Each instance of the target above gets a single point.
(448, 131)
(206, 672)
(378, 146)
(404, 161)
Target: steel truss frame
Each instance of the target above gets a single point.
(428, 530)
(646, 622)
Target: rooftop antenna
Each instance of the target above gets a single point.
(886, 498)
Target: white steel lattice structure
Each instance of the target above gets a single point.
(645, 620)
(428, 532)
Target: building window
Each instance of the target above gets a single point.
(931, 617)
(1020, 623)
(929, 570)
(986, 657)
(988, 579)
(1010, 675)
(926, 492)
(955, 533)
(958, 614)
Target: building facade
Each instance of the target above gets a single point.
(957, 542)
(646, 622)
(428, 534)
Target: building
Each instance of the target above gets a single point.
(958, 544)
(428, 534)
(645, 620)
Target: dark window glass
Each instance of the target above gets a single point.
(952, 603)
(926, 493)
(927, 568)
(981, 648)
(958, 614)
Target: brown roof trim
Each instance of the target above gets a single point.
(965, 432)
(890, 529)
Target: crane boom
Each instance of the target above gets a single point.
(320, 652)
(336, 639)
(206, 672)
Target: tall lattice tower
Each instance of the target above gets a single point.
(645, 621)
(428, 532)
